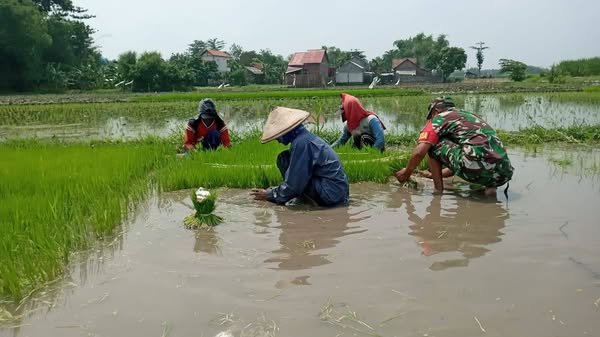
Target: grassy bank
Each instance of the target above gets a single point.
(478, 86)
(279, 94)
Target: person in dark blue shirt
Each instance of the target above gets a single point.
(310, 168)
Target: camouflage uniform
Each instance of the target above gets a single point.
(468, 146)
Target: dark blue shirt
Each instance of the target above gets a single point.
(314, 165)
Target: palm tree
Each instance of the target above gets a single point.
(215, 44)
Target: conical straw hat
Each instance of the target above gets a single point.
(281, 121)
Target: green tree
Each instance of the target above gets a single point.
(249, 57)
(379, 65)
(581, 67)
(54, 5)
(180, 72)
(447, 60)
(215, 43)
(516, 69)
(23, 38)
(207, 73)
(126, 66)
(197, 47)
(236, 51)
(42, 42)
(274, 66)
(336, 56)
(556, 75)
(149, 73)
(421, 47)
(238, 77)
(480, 48)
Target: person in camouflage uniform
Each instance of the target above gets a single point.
(459, 143)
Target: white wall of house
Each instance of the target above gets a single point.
(220, 61)
(406, 72)
(346, 77)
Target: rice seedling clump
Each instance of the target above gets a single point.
(204, 203)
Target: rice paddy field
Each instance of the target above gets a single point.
(92, 242)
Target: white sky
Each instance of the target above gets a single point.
(535, 32)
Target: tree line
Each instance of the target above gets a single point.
(46, 45)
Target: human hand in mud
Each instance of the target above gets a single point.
(426, 174)
(402, 175)
(259, 194)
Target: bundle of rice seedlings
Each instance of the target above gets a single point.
(205, 203)
(398, 164)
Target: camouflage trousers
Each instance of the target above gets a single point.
(472, 168)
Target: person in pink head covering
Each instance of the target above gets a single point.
(362, 125)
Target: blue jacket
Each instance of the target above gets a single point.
(316, 166)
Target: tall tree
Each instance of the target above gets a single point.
(480, 48)
(236, 51)
(126, 66)
(337, 57)
(215, 43)
(421, 47)
(448, 59)
(149, 73)
(197, 47)
(23, 38)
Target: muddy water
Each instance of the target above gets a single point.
(397, 262)
(505, 112)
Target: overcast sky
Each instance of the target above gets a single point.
(535, 32)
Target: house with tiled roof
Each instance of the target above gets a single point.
(219, 57)
(308, 69)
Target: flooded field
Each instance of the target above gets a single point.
(400, 114)
(397, 262)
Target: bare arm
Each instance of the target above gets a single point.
(418, 154)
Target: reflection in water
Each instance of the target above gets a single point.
(400, 114)
(467, 227)
(303, 233)
(207, 241)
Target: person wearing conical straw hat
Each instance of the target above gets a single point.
(310, 168)
(362, 125)
(459, 143)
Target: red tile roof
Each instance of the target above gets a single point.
(397, 62)
(218, 53)
(306, 57)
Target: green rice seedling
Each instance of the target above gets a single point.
(204, 204)
(57, 198)
(278, 94)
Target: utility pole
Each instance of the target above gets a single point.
(480, 48)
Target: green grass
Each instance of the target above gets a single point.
(539, 135)
(592, 89)
(58, 198)
(55, 199)
(278, 94)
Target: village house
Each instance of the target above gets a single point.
(354, 71)
(308, 69)
(407, 70)
(219, 57)
(255, 73)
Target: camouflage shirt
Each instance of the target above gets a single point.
(467, 145)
